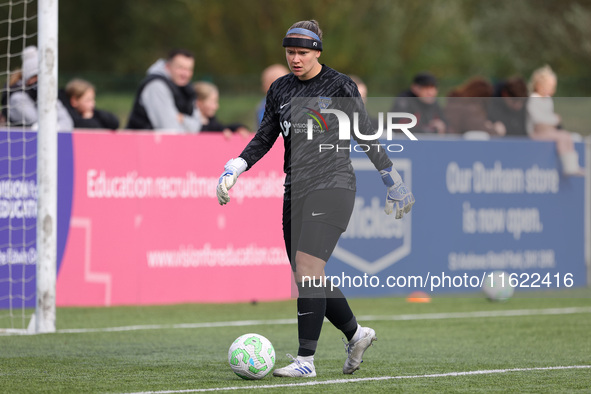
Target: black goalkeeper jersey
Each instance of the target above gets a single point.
(321, 162)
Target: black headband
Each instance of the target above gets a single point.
(302, 42)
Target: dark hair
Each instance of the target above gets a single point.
(515, 87)
(311, 25)
(175, 52)
(424, 79)
(475, 87)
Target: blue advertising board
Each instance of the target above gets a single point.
(481, 206)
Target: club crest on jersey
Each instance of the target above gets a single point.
(324, 102)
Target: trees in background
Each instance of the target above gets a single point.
(384, 41)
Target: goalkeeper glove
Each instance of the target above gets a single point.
(398, 196)
(232, 169)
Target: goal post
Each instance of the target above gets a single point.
(28, 168)
(45, 313)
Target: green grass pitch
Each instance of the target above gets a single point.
(416, 342)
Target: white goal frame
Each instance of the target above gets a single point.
(45, 316)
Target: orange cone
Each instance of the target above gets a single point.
(418, 296)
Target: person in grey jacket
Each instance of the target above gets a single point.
(20, 98)
(165, 100)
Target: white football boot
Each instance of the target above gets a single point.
(356, 348)
(297, 369)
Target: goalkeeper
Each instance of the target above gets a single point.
(319, 192)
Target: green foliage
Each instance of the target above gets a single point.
(519, 36)
(383, 41)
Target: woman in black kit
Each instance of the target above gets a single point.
(319, 190)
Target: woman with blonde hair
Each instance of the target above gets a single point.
(543, 123)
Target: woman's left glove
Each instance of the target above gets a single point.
(398, 198)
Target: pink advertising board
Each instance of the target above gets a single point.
(146, 228)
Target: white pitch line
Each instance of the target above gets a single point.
(379, 378)
(419, 316)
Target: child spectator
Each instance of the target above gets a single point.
(79, 99)
(208, 104)
(543, 123)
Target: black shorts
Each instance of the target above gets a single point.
(314, 224)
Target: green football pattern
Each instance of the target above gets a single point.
(251, 356)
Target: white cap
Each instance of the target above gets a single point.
(30, 62)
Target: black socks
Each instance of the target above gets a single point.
(311, 310)
(317, 300)
(338, 311)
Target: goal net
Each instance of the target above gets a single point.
(28, 170)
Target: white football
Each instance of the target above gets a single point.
(251, 356)
(497, 286)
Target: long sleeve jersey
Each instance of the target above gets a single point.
(321, 162)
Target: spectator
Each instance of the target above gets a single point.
(543, 123)
(466, 109)
(79, 99)
(269, 75)
(208, 103)
(508, 106)
(19, 100)
(165, 99)
(362, 87)
(421, 101)
(12, 84)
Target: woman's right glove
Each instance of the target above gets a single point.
(232, 169)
